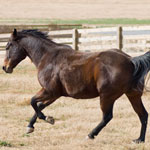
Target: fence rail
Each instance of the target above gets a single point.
(129, 39)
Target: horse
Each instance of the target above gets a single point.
(62, 71)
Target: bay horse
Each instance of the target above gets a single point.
(63, 71)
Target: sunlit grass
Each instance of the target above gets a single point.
(5, 144)
(109, 21)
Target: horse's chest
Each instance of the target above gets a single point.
(48, 78)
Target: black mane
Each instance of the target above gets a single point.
(41, 35)
(36, 33)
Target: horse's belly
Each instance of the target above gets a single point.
(78, 83)
(81, 92)
(83, 95)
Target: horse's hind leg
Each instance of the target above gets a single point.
(141, 112)
(107, 110)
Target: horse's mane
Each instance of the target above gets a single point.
(36, 33)
(43, 36)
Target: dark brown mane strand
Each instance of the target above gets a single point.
(37, 34)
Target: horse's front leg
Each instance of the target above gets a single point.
(34, 118)
(45, 99)
(41, 106)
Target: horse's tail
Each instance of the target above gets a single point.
(141, 68)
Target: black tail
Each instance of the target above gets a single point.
(141, 68)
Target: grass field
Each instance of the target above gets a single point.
(74, 119)
(108, 21)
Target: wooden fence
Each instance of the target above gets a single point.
(7, 28)
(129, 39)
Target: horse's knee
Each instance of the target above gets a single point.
(41, 116)
(107, 117)
(33, 101)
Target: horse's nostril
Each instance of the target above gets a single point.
(4, 68)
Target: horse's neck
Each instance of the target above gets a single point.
(35, 57)
(35, 50)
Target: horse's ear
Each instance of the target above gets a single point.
(15, 32)
(14, 35)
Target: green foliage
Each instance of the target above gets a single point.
(109, 21)
(25, 135)
(4, 143)
(21, 144)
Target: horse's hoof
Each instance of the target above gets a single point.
(89, 138)
(137, 141)
(50, 120)
(29, 130)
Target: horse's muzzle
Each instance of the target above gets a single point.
(7, 70)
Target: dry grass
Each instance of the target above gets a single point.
(74, 119)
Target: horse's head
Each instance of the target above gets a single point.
(15, 53)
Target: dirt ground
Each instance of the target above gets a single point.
(75, 9)
(74, 119)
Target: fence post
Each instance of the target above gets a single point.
(75, 39)
(119, 38)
